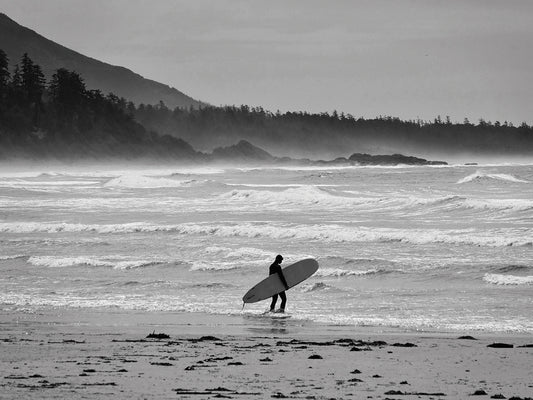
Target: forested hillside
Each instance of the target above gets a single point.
(61, 118)
(16, 39)
(334, 134)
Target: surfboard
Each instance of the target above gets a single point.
(294, 274)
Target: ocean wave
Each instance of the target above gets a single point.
(311, 196)
(339, 272)
(45, 184)
(308, 195)
(113, 262)
(213, 285)
(319, 232)
(241, 252)
(307, 288)
(515, 268)
(304, 195)
(499, 204)
(145, 182)
(14, 257)
(214, 266)
(483, 176)
(500, 279)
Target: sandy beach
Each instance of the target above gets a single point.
(58, 354)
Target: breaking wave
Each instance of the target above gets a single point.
(339, 272)
(305, 195)
(482, 176)
(112, 262)
(145, 182)
(309, 196)
(321, 232)
(14, 257)
(214, 266)
(500, 279)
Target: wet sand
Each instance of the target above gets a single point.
(96, 355)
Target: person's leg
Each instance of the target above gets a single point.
(283, 301)
(273, 304)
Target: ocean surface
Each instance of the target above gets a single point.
(415, 248)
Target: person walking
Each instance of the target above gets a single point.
(275, 268)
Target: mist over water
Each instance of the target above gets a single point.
(426, 248)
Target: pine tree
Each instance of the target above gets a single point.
(32, 86)
(4, 72)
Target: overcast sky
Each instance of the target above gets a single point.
(405, 58)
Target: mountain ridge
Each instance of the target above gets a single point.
(16, 39)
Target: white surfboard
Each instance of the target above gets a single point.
(294, 274)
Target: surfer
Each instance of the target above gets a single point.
(275, 268)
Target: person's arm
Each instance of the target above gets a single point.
(280, 273)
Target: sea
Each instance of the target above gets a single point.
(414, 248)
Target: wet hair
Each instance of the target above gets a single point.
(279, 258)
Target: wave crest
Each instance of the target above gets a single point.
(112, 262)
(145, 182)
(339, 272)
(483, 176)
(496, 237)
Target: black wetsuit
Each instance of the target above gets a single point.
(275, 268)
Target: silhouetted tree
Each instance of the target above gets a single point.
(67, 92)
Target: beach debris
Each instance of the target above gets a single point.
(99, 384)
(235, 363)
(355, 371)
(377, 376)
(404, 383)
(162, 364)
(467, 337)
(404, 345)
(90, 370)
(67, 341)
(279, 395)
(479, 392)
(215, 392)
(400, 393)
(501, 345)
(526, 345)
(208, 338)
(498, 396)
(266, 359)
(154, 335)
(315, 357)
(355, 348)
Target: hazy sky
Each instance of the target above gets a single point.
(406, 58)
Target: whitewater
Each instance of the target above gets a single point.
(438, 249)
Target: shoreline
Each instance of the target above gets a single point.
(82, 320)
(96, 355)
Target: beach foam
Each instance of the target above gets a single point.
(144, 182)
(113, 262)
(500, 279)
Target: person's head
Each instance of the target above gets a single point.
(279, 258)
